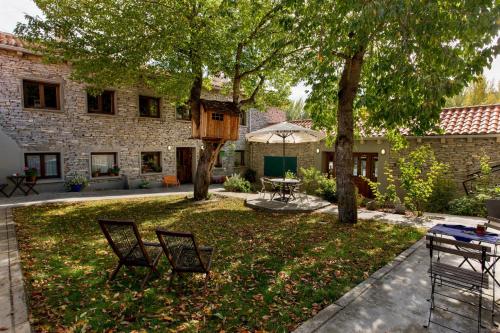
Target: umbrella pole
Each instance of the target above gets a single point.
(284, 158)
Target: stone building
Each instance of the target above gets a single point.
(467, 134)
(51, 123)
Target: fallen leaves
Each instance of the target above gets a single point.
(269, 274)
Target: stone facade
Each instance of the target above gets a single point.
(462, 153)
(75, 134)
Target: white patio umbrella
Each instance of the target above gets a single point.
(284, 133)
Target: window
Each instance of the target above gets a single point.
(149, 107)
(243, 118)
(217, 116)
(47, 165)
(103, 103)
(103, 164)
(239, 158)
(151, 162)
(40, 95)
(183, 112)
(220, 157)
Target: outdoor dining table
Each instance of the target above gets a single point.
(468, 234)
(285, 187)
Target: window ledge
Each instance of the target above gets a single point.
(183, 120)
(152, 173)
(106, 178)
(101, 114)
(150, 118)
(49, 181)
(44, 110)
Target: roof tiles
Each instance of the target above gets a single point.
(466, 120)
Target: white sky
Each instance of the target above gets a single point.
(12, 11)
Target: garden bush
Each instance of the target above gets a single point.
(250, 175)
(443, 192)
(328, 189)
(469, 205)
(419, 171)
(236, 183)
(311, 179)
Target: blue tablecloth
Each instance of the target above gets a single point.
(465, 234)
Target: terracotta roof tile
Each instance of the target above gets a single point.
(10, 40)
(466, 120)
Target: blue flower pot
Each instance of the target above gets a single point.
(76, 188)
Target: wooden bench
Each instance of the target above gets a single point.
(171, 180)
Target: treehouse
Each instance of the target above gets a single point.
(218, 121)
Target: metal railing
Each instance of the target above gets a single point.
(475, 176)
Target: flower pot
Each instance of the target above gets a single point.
(30, 179)
(76, 187)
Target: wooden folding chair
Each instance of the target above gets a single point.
(2, 188)
(184, 255)
(457, 278)
(126, 242)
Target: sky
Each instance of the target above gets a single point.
(13, 11)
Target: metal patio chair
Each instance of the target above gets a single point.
(454, 277)
(184, 255)
(126, 242)
(267, 187)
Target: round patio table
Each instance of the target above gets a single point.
(286, 187)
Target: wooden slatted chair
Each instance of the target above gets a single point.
(126, 242)
(184, 255)
(456, 277)
(171, 180)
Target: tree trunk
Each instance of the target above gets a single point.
(344, 142)
(206, 163)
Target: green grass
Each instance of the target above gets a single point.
(271, 272)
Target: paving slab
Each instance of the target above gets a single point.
(13, 309)
(397, 302)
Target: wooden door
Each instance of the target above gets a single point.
(365, 165)
(185, 164)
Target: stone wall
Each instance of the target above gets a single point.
(461, 153)
(75, 133)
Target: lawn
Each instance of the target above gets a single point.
(271, 271)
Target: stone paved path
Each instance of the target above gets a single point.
(13, 310)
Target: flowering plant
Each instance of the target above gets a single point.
(30, 172)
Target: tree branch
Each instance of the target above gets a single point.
(251, 99)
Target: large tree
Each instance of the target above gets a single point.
(396, 60)
(172, 46)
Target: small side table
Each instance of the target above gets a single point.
(18, 182)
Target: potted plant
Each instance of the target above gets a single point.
(77, 183)
(114, 171)
(30, 174)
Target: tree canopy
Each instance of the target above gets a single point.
(415, 54)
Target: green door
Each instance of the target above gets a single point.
(273, 165)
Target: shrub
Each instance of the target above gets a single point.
(328, 189)
(236, 183)
(419, 171)
(311, 179)
(290, 174)
(443, 192)
(250, 175)
(387, 198)
(472, 205)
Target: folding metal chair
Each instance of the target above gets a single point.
(456, 277)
